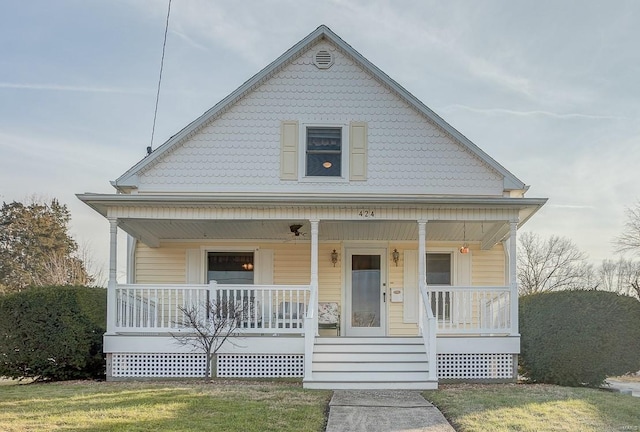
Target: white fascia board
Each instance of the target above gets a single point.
(101, 202)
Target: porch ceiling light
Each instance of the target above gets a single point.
(395, 256)
(334, 257)
(247, 266)
(327, 164)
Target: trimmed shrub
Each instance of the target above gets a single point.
(53, 333)
(578, 338)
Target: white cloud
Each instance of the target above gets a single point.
(71, 88)
(23, 151)
(453, 107)
(189, 40)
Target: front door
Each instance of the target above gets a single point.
(366, 292)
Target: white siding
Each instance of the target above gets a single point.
(241, 149)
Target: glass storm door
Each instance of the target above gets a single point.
(366, 292)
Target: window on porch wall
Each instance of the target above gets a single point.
(439, 273)
(232, 268)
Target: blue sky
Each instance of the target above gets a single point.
(549, 89)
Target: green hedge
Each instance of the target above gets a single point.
(578, 338)
(53, 333)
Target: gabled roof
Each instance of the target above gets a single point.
(129, 178)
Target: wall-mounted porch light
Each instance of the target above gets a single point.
(334, 257)
(395, 256)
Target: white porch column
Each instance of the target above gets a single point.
(113, 275)
(311, 318)
(422, 267)
(314, 252)
(513, 277)
(422, 251)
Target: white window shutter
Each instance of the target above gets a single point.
(263, 267)
(410, 305)
(195, 275)
(358, 151)
(289, 150)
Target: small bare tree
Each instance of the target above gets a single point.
(207, 327)
(552, 264)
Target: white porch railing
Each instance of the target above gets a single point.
(158, 308)
(428, 331)
(471, 310)
(285, 308)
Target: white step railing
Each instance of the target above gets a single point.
(471, 310)
(159, 308)
(310, 332)
(428, 331)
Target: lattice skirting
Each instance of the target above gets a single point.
(475, 366)
(145, 365)
(260, 365)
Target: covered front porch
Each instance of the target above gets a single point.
(369, 261)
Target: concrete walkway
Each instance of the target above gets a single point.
(632, 388)
(383, 411)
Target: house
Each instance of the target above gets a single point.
(320, 185)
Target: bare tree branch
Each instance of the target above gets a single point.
(552, 264)
(629, 239)
(622, 277)
(207, 327)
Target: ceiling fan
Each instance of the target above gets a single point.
(295, 229)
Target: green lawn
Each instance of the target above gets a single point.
(535, 407)
(167, 406)
(285, 406)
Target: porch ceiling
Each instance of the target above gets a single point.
(151, 231)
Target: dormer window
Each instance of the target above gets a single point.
(324, 152)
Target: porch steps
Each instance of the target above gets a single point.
(370, 363)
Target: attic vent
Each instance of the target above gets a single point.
(323, 59)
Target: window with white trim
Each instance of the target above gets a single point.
(323, 151)
(230, 267)
(326, 152)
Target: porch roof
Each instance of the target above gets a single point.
(152, 218)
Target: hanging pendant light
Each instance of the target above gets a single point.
(464, 249)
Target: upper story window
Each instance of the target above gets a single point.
(328, 153)
(324, 151)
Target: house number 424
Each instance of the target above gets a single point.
(366, 213)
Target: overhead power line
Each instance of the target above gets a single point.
(155, 111)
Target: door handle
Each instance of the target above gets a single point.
(384, 297)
